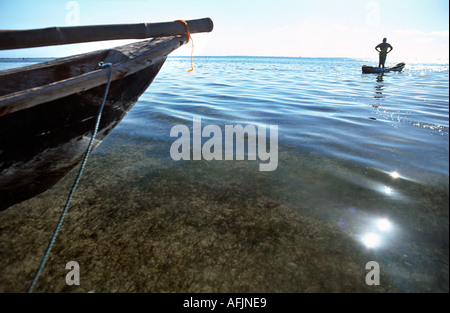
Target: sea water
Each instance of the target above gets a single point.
(362, 175)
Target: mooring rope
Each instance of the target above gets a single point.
(77, 180)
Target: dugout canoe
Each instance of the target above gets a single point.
(48, 110)
(373, 69)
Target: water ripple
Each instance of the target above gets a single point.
(324, 105)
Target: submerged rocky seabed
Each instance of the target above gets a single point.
(362, 175)
(141, 222)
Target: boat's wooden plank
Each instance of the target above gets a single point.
(28, 98)
(15, 39)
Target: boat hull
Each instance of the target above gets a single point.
(41, 144)
(378, 70)
(54, 140)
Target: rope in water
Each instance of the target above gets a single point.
(77, 180)
(188, 34)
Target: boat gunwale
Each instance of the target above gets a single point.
(158, 48)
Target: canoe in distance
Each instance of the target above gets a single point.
(373, 69)
(48, 111)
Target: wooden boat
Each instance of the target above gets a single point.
(48, 110)
(372, 69)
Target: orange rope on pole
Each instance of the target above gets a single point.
(188, 34)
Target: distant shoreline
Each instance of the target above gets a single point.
(26, 59)
(44, 59)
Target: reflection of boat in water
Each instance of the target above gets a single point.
(48, 111)
(372, 69)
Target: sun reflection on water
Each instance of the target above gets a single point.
(376, 239)
(374, 232)
(371, 240)
(384, 225)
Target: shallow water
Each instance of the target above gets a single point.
(363, 164)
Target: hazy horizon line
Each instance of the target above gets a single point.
(440, 61)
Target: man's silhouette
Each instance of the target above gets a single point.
(383, 48)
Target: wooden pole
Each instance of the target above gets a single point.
(16, 39)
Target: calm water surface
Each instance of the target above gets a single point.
(367, 155)
(354, 148)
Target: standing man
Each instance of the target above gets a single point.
(383, 48)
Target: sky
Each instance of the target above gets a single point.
(417, 29)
